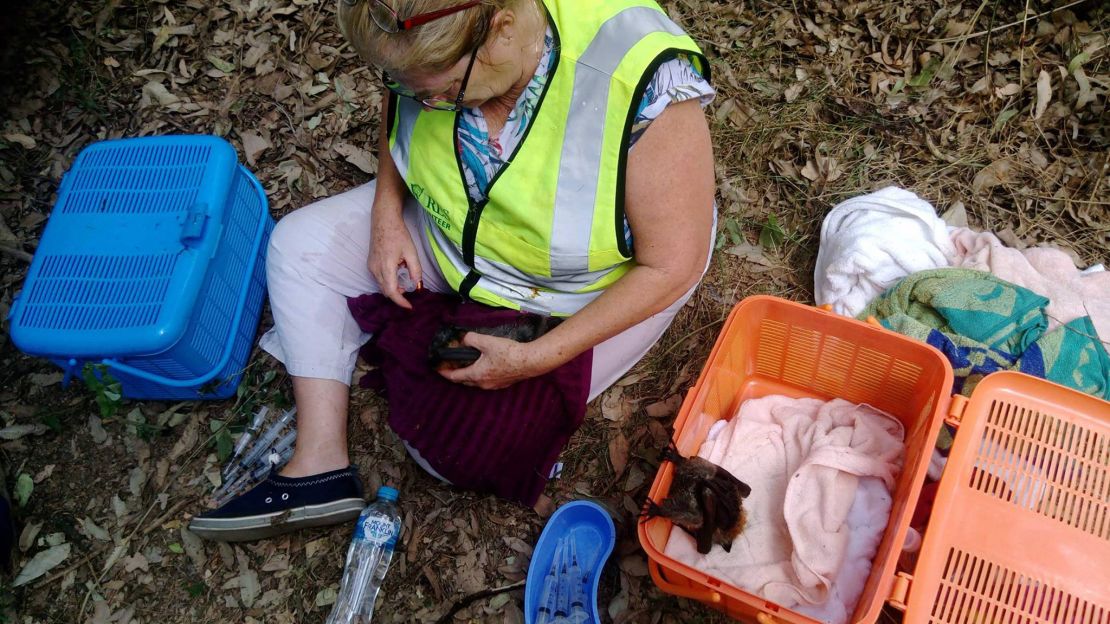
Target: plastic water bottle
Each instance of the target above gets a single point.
(368, 559)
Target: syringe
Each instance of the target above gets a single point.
(244, 440)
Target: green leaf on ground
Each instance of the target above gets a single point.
(772, 235)
(224, 444)
(105, 388)
(926, 76)
(220, 64)
(24, 485)
(735, 235)
(1003, 117)
(1078, 61)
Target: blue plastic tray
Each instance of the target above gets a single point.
(593, 531)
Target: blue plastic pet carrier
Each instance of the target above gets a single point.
(153, 264)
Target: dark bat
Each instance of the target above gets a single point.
(705, 500)
(447, 350)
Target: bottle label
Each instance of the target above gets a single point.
(377, 530)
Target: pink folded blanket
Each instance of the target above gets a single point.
(1046, 271)
(803, 459)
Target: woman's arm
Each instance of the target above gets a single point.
(669, 202)
(390, 242)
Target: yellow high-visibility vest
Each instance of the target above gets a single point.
(550, 235)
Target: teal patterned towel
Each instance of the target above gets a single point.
(983, 324)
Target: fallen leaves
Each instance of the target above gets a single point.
(249, 587)
(1044, 94)
(254, 144)
(822, 170)
(327, 596)
(220, 64)
(357, 156)
(43, 562)
(15, 432)
(96, 429)
(666, 408)
(815, 103)
(194, 548)
(469, 576)
(93, 531)
(20, 139)
(156, 93)
(1001, 171)
(618, 453)
(612, 407)
(29, 534)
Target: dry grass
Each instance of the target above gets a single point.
(817, 102)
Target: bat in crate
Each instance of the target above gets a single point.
(705, 500)
(448, 352)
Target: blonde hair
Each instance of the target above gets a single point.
(432, 47)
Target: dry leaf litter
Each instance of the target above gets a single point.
(995, 112)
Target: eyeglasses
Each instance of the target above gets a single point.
(386, 18)
(435, 102)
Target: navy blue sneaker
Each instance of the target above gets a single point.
(283, 504)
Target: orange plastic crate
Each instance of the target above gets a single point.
(773, 346)
(1020, 530)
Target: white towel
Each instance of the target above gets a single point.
(803, 459)
(870, 242)
(865, 524)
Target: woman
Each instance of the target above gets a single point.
(604, 217)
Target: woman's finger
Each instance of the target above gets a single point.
(457, 375)
(389, 288)
(412, 261)
(479, 341)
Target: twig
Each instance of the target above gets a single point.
(935, 151)
(1021, 57)
(1093, 202)
(466, 601)
(176, 507)
(691, 335)
(1064, 325)
(16, 253)
(57, 575)
(1024, 19)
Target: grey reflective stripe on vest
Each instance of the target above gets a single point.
(580, 163)
(511, 284)
(406, 113)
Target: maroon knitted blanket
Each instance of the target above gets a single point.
(503, 442)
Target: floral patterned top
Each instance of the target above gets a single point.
(482, 156)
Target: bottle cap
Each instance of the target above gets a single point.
(388, 493)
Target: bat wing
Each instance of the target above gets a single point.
(707, 500)
(726, 498)
(725, 477)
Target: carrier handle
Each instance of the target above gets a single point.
(192, 229)
(703, 595)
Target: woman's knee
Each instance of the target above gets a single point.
(319, 226)
(288, 233)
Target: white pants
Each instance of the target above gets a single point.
(317, 259)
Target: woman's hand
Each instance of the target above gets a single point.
(391, 247)
(503, 363)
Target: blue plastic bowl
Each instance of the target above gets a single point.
(593, 532)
